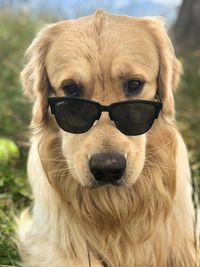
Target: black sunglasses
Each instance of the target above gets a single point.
(77, 115)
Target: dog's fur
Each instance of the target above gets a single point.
(148, 220)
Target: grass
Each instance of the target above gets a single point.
(14, 196)
(16, 32)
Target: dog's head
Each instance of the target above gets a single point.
(105, 58)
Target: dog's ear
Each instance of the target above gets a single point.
(169, 66)
(34, 77)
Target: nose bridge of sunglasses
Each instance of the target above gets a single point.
(106, 111)
(104, 115)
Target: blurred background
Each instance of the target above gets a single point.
(20, 20)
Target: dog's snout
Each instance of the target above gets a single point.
(107, 167)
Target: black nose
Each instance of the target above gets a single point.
(107, 167)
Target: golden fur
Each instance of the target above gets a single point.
(147, 221)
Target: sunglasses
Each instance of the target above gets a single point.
(77, 115)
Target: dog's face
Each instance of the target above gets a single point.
(108, 59)
(103, 61)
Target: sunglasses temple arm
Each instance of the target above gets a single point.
(157, 98)
(52, 107)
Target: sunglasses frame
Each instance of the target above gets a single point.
(52, 101)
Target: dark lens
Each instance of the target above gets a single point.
(75, 116)
(133, 118)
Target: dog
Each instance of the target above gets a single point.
(107, 165)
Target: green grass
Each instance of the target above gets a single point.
(14, 196)
(16, 33)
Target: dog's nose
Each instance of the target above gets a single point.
(107, 167)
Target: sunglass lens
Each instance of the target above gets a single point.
(133, 118)
(75, 116)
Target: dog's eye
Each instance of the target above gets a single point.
(132, 86)
(71, 89)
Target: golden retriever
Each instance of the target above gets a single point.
(113, 194)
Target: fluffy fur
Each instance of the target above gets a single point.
(148, 220)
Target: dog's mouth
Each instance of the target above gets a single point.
(109, 182)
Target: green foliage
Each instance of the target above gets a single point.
(14, 196)
(188, 99)
(8, 251)
(188, 110)
(8, 150)
(15, 35)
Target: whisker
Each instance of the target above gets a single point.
(59, 171)
(65, 169)
(154, 165)
(53, 160)
(159, 150)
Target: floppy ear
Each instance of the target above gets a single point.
(169, 67)
(34, 76)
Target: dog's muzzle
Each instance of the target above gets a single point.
(107, 168)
